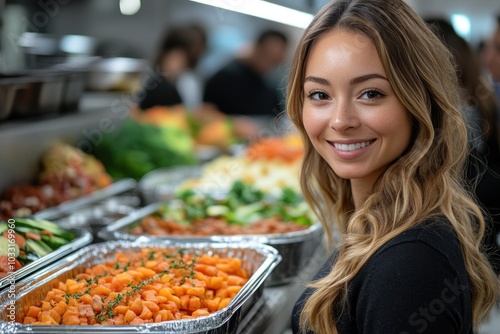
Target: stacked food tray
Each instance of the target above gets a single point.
(257, 260)
(81, 239)
(295, 248)
(67, 208)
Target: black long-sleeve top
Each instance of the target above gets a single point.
(416, 283)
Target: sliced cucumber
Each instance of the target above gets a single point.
(7, 248)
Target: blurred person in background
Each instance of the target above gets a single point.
(492, 60)
(241, 88)
(479, 109)
(175, 64)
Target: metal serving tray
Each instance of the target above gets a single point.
(68, 207)
(259, 260)
(82, 238)
(295, 248)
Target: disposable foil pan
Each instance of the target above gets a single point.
(257, 259)
(68, 207)
(82, 238)
(295, 248)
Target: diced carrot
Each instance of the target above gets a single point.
(61, 286)
(120, 309)
(125, 278)
(153, 307)
(151, 264)
(136, 306)
(54, 315)
(149, 295)
(47, 319)
(33, 312)
(146, 272)
(117, 285)
(137, 321)
(118, 319)
(61, 307)
(71, 320)
(100, 290)
(222, 293)
(195, 291)
(206, 259)
(86, 299)
(184, 302)
(233, 290)
(235, 280)
(212, 304)
(146, 313)
(200, 313)
(194, 303)
(46, 306)
(224, 302)
(75, 288)
(215, 282)
(29, 320)
(206, 269)
(178, 290)
(129, 316)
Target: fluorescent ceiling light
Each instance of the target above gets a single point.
(461, 24)
(264, 10)
(130, 7)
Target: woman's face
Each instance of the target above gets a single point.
(351, 113)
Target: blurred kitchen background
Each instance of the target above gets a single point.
(70, 30)
(70, 69)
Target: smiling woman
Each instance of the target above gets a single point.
(351, 114)
(375, 96)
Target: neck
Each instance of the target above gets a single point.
(361, 189)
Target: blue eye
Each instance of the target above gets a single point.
(315, 95)
(372, 94)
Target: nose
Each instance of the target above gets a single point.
(344, 117)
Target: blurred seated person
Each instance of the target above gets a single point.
(174, 81)
(479, 109)
(240, 87)
(492, 60)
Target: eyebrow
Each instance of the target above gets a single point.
(353, 81)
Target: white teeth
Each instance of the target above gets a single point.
(351, 147)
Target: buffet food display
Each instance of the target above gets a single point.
(187, 249)
(142, 287)
(26, 245)
(67, 173)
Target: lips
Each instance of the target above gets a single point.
(352, 146)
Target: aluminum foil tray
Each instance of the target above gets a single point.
(68, 207)
(295, 248)
(82, 238)
(259, 260)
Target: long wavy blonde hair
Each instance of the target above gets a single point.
(425, 182)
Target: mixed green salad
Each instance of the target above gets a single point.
(243, 205)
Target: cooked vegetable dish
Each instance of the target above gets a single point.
(244, 210)
(152, 285)
(33, 239)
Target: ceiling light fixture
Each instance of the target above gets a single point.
(264, 10)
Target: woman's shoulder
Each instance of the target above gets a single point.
(434, 233)
(420, 270)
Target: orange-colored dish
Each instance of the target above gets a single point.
(152, 286)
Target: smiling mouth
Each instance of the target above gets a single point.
(352, 147)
